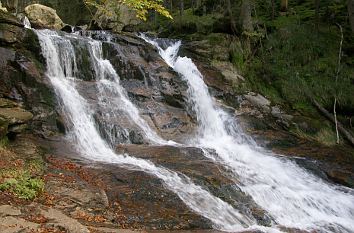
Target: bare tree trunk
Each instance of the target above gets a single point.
(317, 13)
(246, 16)
(181, 7)
(273, 9)
(284, 5)
(232, 19)
(246, 22)
(337, 75)
(199, 3)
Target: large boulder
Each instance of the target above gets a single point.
(115, 17)
(2, 8)
(42, 16)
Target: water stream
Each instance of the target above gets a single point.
(294, 197)
(62, 70)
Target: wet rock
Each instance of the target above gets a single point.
(67, 28)
(42, 16)
(22, 78)
(204, 172)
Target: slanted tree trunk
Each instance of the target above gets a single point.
(329, 116)
(284, 5)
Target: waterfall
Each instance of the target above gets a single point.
(61, 70)
(108, 82)
(294, 197)
(26, 22)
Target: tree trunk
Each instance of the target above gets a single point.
(232, 19)
(284, 5)
(181, 7)
(317, 13)
(337, 75)
(246, 16)
(246, 22)
(273, 9)
(199, 3)
(351, 14)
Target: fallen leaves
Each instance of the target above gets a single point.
(89, 217)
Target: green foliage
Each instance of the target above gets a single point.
(297, 60)
(23, 185)
(23, 181)
(325, 136)
(141, 7)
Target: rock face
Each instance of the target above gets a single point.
(26, 99)
(42, 16)
(157, 91)
(10, 31)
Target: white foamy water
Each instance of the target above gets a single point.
(108, 83)
(26, 22)
(61, 70)
(294, 197)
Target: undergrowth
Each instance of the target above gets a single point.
(22, 178)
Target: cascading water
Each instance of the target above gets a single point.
(294, 197)
(61, 70)
(26, 22)
(108, 82)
